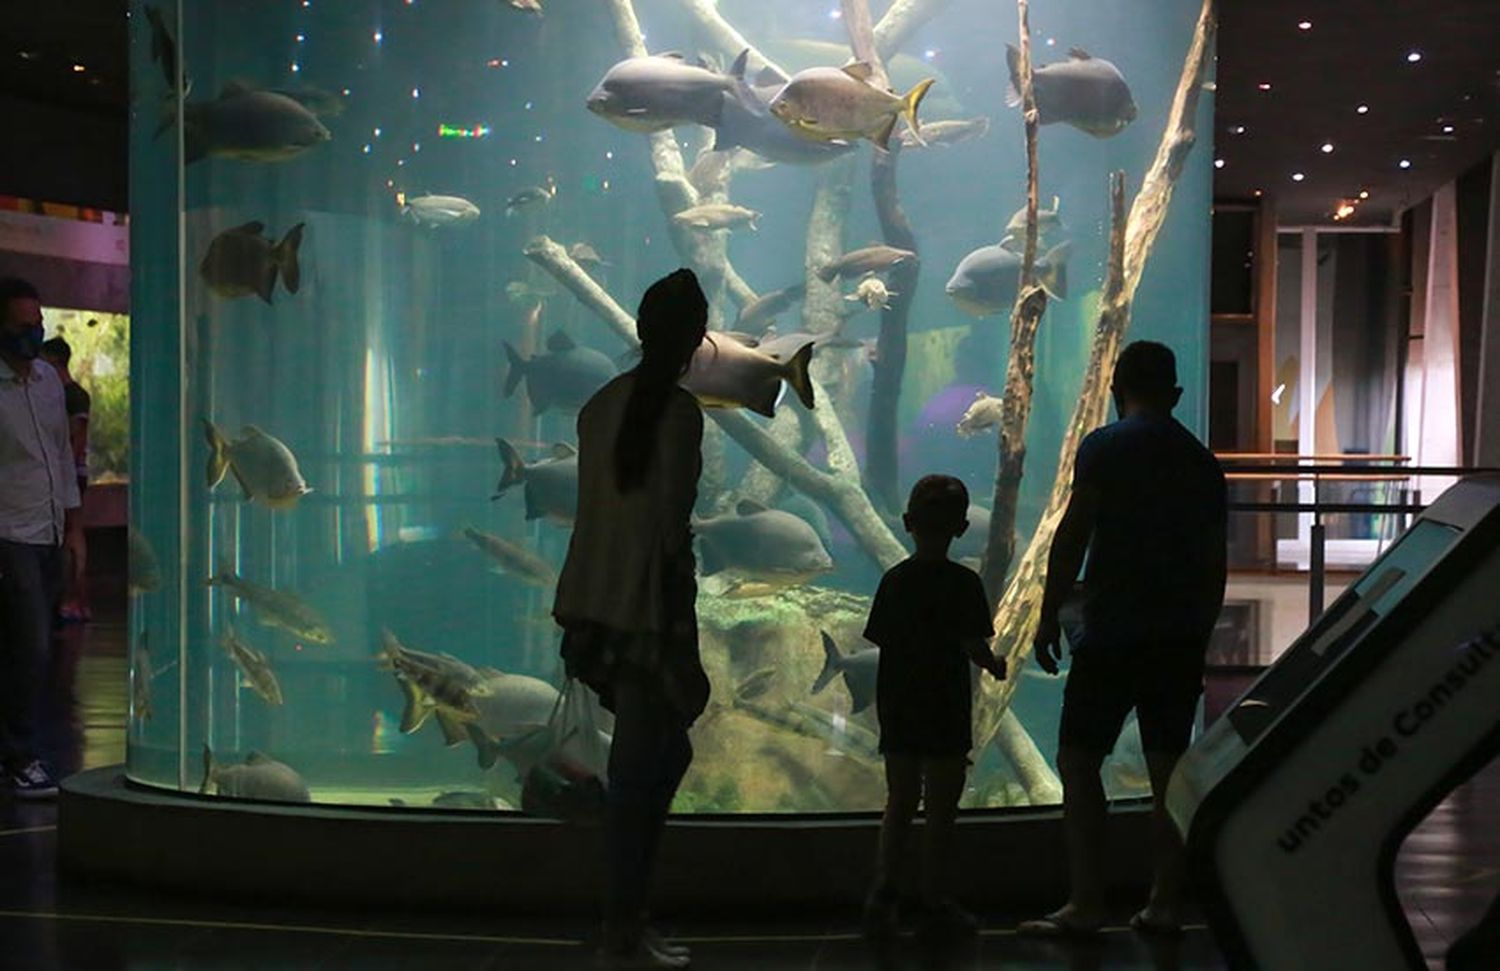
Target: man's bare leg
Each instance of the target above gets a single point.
(1084, 814)
(1164, 908)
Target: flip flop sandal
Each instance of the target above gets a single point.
(1057, 927)
(1145, 925)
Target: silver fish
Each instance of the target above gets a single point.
(982, 414)
(253, 665)
(874, 258)
(1048, 222)
(241, 261)
(1084, 91)
(746, 121)
(718, 215)
(526, 6)
(840, 104)
(563, 378)
(275, 608)
(512, 558)
(532, 196)
(437, 685)
(763, 549)
(551, 485)
(586, 256)
(985, 281)
(264, 467)
(904, 70)
(249, 124)
(858, 669)
(434, 211)
(947, 132)
(657, 92)
(258, 777)
(726, 374)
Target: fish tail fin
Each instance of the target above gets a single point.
(909, 105)
(882, 136)
(796, 374)
(1013, 87)
(516, 373)
(515, 469)
(218, 453)
(827, 272)
(285, 258)
(487, 748)
(1054, 279)
(390, 649)
(210, 769)
(832, 664)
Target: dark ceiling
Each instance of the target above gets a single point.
(1355, 53)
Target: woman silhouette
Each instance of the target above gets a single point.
(626, 594)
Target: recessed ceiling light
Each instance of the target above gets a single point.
(1413, 57)
(28, 55)
(1404, 163)
(79, 69)
(1298, 176)
(1326, 148)
(1447, 129)
(1257, 192)
(1363, 109)
(1218, 163)
(1236, 129)
(1264, 85)
(1304, 25)
(1364, 193)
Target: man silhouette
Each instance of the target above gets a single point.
(1149, 509)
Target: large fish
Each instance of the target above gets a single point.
(563, 378)
(1084, 91)
(551, 485)
(985, 281)
(534, 195)
(875, 258)
(840, 104)
(724, 373)
(746, 122)
(513, 713)
(434, 211)
(984, 413)
(858, 669)
(1048, 222)
(249, 124)
(264, 467)
(437, 685)
(717, 215)
(783, 347)
(258, 777)
(241, 261)
(758, 313)
(660, 91)
(253, 665)
(512, 558)
(276, 608)
(143, 569)
(762, 550)
(904, 70)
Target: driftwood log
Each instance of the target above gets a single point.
(1020, 363)
(1131, 240)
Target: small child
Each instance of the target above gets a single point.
(930, 619)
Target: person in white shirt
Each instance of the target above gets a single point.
(625, 598)
(38, 500)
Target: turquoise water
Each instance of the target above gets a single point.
(385, 373)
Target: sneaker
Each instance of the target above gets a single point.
(33, 781)
(946, 919)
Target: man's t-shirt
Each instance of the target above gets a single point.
(1155, 572)
(922, 612)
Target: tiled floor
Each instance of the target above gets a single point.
(1448, 870)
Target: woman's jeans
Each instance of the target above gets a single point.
(647, 761)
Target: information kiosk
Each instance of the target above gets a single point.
(1295, 803)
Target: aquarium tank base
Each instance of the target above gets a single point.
(711, 865)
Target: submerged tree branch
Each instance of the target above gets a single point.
(1020, 363)
(1130, 245)
(904, 18)
(553, 257)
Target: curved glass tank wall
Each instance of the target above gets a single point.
(331, 266)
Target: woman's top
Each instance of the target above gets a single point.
(631, 550)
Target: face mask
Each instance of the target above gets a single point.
(26, 345)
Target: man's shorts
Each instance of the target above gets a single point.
(1161, 683)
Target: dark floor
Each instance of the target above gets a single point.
(1447, 873)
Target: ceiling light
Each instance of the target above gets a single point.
(1404, 163)
(1298, 176)
(1344, 211)
(1326, 148)
(1304, 25)
(1413, 57)
(1264, 85)
(1257, 193)
(28, 55)
(79, 68)
(1363, 109)
(1218, 163)
(1447, 129)
(1236, 129)
(1364, 193)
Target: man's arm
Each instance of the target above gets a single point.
(1069, 546)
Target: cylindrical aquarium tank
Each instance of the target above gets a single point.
(384, 249)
